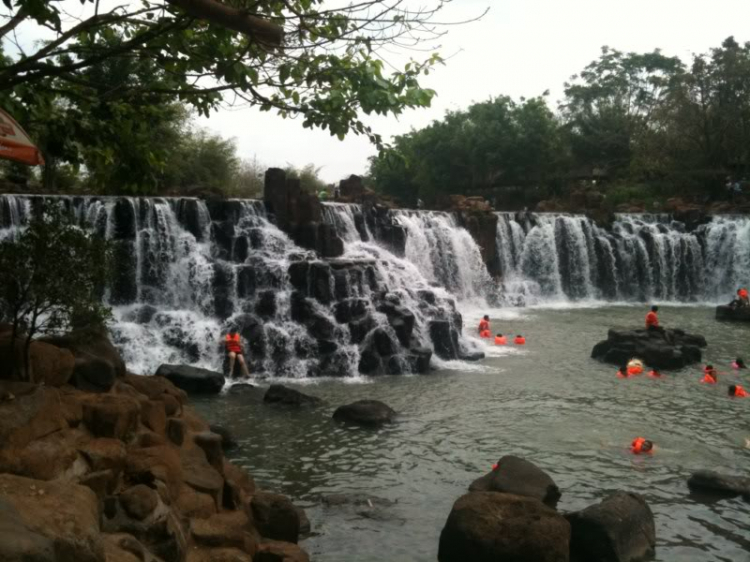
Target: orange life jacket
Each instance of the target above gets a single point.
(519, 340)
(652, 319)
(709, 378)
(485, 334)
(637, 446)
(637, 370)
(743, 294)
(740, 392)
(233, 343)
(501, 340)
(654, 374)
(484, 326)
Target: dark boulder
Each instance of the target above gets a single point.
(738, 314)
(350, 309)
(721, 485)
(90, 346)
(93, 375)
(280, 394)
(401, 320)
(275, 516)
(619, 529)
(228, 441)
(384, 343)
(663, 349)
(420, 358)
(358, 329)
(370, 363)
(444, 339)
(365, 412)
(192, 380)
(518, 476)
(491, 527)
(266, 305)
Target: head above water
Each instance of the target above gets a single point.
(486, 317)
(499, 336)
(654, 308)
(647, 446)
(740, 362)
(732, 389)
(709, 367)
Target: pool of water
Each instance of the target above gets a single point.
(548, 402)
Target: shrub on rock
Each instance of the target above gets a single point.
(492, 527)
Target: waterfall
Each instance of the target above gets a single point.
(643, 258)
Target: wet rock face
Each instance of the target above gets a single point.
(619, 529)
(192, 380)
(482, 225)
(663, 349)
(280, 394)
(711, 483)
(488, 527)
(728, 313)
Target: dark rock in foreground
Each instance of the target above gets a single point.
(663, 349)
(228, 441)
(518, 476)
(619, 529)
(276, 517)
(739, 314)
(365, 412)
(492, 527)
(280, 394)
(192, 380)
(723, 485)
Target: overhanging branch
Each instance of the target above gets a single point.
(232, 18)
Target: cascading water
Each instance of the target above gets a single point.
(549, 257)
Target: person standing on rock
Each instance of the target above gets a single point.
(234, 350)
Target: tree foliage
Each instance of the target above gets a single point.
(51, 276)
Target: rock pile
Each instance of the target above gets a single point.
(663, 349)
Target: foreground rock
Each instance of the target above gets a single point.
(371, 413)
(192, 380)
(739, 314)
(280, 394)
(128, 475)
(619, 529)
(721, 485)
(492, 527)
(518, 476)
(667, 349)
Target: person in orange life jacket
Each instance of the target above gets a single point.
(736, 391)
(234, 349)
(652, 320)
(654, 373)
(739, 363)
(484, 327)
(519, 340)
(710, 375)
(641, 445)
(501, 340)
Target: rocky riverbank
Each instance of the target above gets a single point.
(123, 470)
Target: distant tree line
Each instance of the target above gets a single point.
(647, 124)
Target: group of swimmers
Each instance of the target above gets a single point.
(500, 339)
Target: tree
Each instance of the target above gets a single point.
(308, 177)
(51, 278)
(298, 57)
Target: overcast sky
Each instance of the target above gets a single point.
(520, 48)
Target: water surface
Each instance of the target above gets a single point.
(548, 402)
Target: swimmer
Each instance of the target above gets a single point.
(641, 445)
(519, 340)
(635, 367)
(736, 391)
(484, 327)
(654, 374)
(622, 372)
(501, 340)
(710, 375)
(739, 363)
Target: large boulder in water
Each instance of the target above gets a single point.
(365, 412)
(663, 349)
(514, 475)
(280, 394)
(720, 485)
(491, 527)
(735, 314)
(619, 529)
(192, 380)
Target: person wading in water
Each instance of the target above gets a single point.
(234, 350)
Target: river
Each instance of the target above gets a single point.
(548, 402)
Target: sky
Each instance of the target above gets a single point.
(520, 48)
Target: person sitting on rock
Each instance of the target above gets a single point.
(641, 445)
(710, 375)
(652, 320)
(736, 391)
(234, 350)
(484, 327)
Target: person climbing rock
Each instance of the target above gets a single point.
(234, 350)
(484, 327)
(736, 391)
(652, 320)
